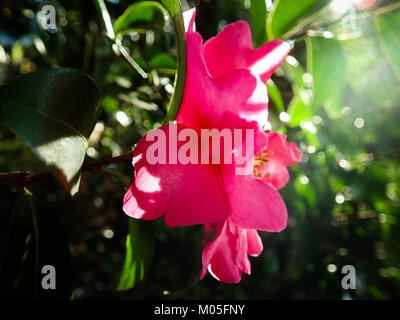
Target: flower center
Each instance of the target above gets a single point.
(260, 161)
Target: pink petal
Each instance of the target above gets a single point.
(255, 204)
(286, 152)
(232, 49)
(225, 250)
(267, 58)
(187, 194)
(254, 243)
(275, 173)
(229, 50)
(241, 251)
(189, 17)
(219, 255)
(283, 154)
(210, 103)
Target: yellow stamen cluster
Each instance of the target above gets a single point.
(261, 160)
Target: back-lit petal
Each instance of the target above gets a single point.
(186, 193)
(238, 52)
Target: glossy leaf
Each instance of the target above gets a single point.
(326, 64)
(258, 22)
(53, 112)
(140, 245)
(141, 15)
(163, 61)
(287, 13)
(173, 7)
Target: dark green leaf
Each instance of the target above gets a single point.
(54, 112)
(141, 15)
(258, 22)
(140, 245)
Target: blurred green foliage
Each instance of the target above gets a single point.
(337, 96)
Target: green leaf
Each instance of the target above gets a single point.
(326, 64)
(173, 7)
(175, 12)
(298, 111)
(140, 246)
(275, 95)
(299, 108)
(295, 73)
(258, 21)
(53, 112)
(367, 66)
(141, 15)
(163, 61)
(287, 13)
(311, 138)
(388, 34)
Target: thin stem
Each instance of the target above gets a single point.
(175, 13)
(387, 8)
(102, 8)
(129, 59)
(29, 198)
(195, 276)
(23, 178)
(116, 175)
(99, 163)
(7, 238)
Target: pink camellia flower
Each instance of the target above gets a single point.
(225, 81)
(217, 95)
(227, 244)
